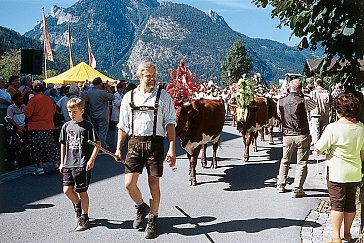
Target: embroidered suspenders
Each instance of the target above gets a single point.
(145, 109)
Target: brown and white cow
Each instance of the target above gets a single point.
(259, 112)
(199, 122)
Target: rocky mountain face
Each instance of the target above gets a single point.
(124, 32)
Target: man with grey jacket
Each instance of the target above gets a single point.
(319, 115)
(98, 100)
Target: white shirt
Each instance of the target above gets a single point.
(62, 103)
(143, 121)
(17, 114)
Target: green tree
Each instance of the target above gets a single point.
(10, 64)
(336, 25)
(237, 63)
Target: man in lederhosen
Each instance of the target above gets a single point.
(147, 114)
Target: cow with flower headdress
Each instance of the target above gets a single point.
(199, 121)
(253, 113)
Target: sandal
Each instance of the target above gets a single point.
(333, 240)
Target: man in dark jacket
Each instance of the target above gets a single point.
(296, 133)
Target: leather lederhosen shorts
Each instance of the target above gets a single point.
(145, 151)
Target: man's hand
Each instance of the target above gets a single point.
(119, 154)
(171, 158)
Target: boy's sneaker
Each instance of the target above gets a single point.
(281, 188)
(151, 229)
(297, 193)
(142, 211)
(83, 223)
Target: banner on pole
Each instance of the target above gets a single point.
(91, 58)
(47, 44)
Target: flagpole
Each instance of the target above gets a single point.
(88, 47)
(70, 43)
(44, 47)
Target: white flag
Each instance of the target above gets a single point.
(91, 58)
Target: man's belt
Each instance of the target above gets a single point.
(144, 108)
(147, 138)
(289, 132)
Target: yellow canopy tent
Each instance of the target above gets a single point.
(77, 74)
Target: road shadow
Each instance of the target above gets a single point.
(111, 223)
(19, 194)
(317, 193)
(182, 225)
(24, 190)
(225, 136)
(249, 176)
(38, 206)
(175, 225)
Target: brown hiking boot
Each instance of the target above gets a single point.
(151, 229)
(83, 223)
(142, 212)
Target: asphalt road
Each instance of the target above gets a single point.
(237, 202)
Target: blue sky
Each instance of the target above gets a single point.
(240, 15)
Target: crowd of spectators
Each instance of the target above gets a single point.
(33, 112)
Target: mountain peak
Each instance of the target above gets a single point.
(216, 18)
(62, 16)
